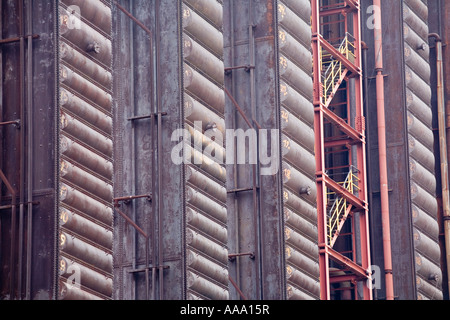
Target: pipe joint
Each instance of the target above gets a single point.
(436, 36)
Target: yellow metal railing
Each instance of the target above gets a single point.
(334, 69)
(340, 205)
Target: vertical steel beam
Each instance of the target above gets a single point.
(12, 191)
(255, 167)
(445, 7)
(361, 152)
(320, 154)
(22, 154)
(133, 19)
(30, 146)
(159, 153)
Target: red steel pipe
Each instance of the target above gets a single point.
(381, 124)
(443, 148)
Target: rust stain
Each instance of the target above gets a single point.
(269, 16)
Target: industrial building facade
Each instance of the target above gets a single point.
(224, 149)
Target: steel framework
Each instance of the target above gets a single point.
(342, 205)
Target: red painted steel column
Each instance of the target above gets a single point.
(324, 277)
(382, 152)
(361, 155)
(353, 135)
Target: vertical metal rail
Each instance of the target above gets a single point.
(154, 112)
(21, 144)
(235, 174)
(13, 230)
(30, 135)
(344, 132)
(255, 167)
(319, 152)
(154, 86)
(9, 187)
(133, 139)
(159, 153)
(1, 101)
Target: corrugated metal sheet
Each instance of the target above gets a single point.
(205, 193)
(255, 199)
(179, 85)
(189, 217)
(85, 158)
(268, 49)
(298, 168)
(422, 174)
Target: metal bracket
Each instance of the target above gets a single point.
(9, 206)
(17, 39)
(148, 268)
(374, 77)
(241, 189)
(150, 116)
(127, 199)
(15, 123)
(246, 67)
(232, 257)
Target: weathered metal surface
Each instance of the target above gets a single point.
(439, 57)
(189, 220)
(96, 12)
(81, 108)
(204, 102)
(152, 69)
(396, 149)
(86, 228)
(85, 65)
(27, 92)
(86, 148)
(133, 151)
(68, 292)
(274, 37)
(423, 181)
(203, 31)
(255, 225)
(91, 279)
(412, 183)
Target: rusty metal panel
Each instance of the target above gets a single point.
(397, 152)
(133, 150)
(268, 63)
(205, 193)
(438, 13)
(171, 81)
(27, 93)
(411, 154)
(423, 180)
(255, 229)
(85, 153)
(297, 128)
